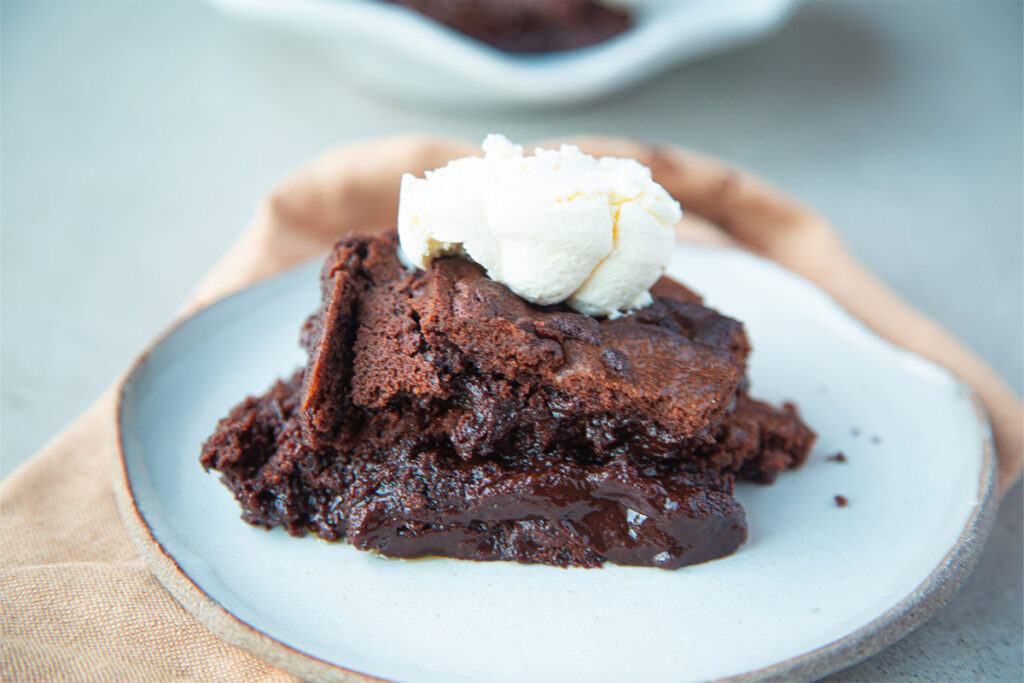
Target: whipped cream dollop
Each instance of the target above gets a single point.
(557, 226)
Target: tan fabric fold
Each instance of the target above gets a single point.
(77, 602)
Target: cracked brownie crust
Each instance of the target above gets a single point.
(440, 414)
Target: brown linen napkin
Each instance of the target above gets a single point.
(77, 601)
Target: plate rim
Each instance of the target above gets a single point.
(944, 581)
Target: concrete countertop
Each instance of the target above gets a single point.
(137, 137)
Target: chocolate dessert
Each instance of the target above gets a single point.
(527, 26)
(441, 414)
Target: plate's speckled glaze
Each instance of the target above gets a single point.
(817, 587)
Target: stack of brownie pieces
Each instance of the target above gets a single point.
(441, 414)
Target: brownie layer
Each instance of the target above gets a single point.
(393, 496)
(494, 375)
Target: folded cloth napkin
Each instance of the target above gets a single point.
(77, 602)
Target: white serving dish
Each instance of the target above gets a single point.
(399, 53)
(816, 588)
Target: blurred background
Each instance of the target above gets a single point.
(137, 137)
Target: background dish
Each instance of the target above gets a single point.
(404, 55)
(816, 588)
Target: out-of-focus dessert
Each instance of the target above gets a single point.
(442, 413)
(527, 26)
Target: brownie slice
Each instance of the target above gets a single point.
(440, 414)
(495, 375)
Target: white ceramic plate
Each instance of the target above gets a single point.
(816, 587)
(398, 52)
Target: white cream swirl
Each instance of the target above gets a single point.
(557, 226)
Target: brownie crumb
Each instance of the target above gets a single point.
(838, 457)
(876, 440)
(842, 501)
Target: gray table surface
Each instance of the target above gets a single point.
(137, 136)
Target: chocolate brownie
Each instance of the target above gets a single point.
(526, 26)
(440, 414)
(493, 374)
